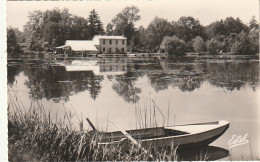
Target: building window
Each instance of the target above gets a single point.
(123, 50)
(104, 41)
(104, 50)
(123, 41)
(110, 41)
(116, 50)
(116, 42)
(110, 50)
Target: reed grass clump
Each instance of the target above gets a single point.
(34, 136)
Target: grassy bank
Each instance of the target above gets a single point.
(33, 136)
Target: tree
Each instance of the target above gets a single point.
(124, 22)
(188, 28)
(173, 45)
(198, 44)
(240, 45)
(94, 24)
(12, 46)
(214, 46)
(139, 40)
(253, 23)
(79, 29)
(109, 29)
(56, 26)
(253, 40)
(21, 37)
(232, 25)
(52, 26)
(215, 29)
(156, 31)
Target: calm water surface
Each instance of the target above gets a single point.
(143, 92)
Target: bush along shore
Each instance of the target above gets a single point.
(33, 136)
(44, 32)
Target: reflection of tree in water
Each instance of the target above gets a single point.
(126, 89)
(12, 71)
(94, 86)
(53, 82)
(234, 75)
(178, 72)
(189, 83)
(161, 81)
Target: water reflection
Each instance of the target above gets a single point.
(194, 88)
(233, 75)
(203, 153)
(54, 82)
(125, 87)
(51, 79)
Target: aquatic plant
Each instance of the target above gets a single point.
(36, 135)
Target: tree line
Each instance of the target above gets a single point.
(48, 29)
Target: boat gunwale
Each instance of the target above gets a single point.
(176, 136)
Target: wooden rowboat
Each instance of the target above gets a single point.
(183, 136)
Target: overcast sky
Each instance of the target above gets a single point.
(206, 11)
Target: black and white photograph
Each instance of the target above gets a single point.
(132, 80)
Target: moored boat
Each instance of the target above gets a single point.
(183, 136)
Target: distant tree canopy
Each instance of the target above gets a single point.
(188, 28)
(214, 46)
(109, 29)
(49, 29)
(156, 31)
(54, 27)
(253, 23)
(226, 27)
(198, 44)
(123, 24)
(12, 43)
(94, 24)
(173, 45)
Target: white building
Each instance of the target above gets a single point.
(99, 44)
(110, 44)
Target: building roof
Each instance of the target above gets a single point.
(108, 37)
(81, 45)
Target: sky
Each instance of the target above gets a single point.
(206, 11)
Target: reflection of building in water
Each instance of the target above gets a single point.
(104, 66)
(113, 66)
(86, 65)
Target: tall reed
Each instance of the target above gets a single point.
(37, 135)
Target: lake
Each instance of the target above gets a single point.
(137, 92)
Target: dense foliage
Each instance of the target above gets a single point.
(94, 24)
(12, 44)
(52, 28)
(173, 45)
(49, 29)
(156, 31)
(198, 44)
(123, 24)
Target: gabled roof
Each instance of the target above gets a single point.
(108, 37)
(81, 45)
